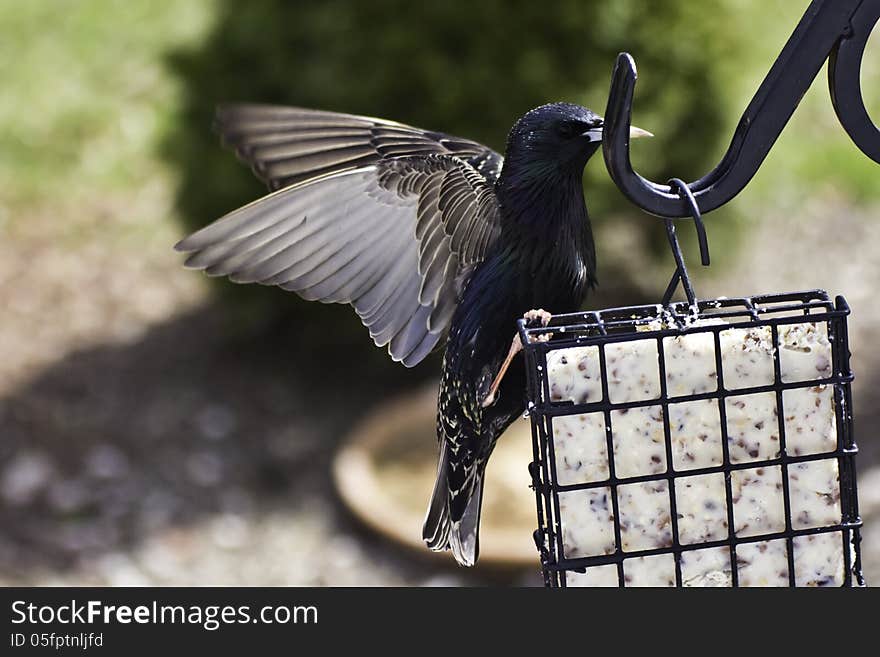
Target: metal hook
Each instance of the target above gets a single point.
(844, 81)
(686, 193)
(838, 28)
(680, 273)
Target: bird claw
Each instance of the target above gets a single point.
(536, 318)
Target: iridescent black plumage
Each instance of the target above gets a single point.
(544, 256)
(422, 236)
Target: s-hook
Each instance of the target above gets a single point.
(681, 273)
(836, 30)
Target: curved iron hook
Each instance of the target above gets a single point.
(844, 81)
(680, 273)
(685, 192)
(838, 28)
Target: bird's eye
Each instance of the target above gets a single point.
(565, 130)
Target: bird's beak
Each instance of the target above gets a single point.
(635, 133)
(595, 134)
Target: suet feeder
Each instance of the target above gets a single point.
(695, 445)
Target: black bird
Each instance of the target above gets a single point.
(429, 237)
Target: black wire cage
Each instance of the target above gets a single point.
(640, 518)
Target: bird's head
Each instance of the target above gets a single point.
(558, 137)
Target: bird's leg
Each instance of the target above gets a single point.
(516, 346)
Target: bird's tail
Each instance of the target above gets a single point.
(435, 531)
(440, 530)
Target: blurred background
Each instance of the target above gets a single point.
(160, 428)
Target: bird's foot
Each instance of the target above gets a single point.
(539, 316)
(536, 318)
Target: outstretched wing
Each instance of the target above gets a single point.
(395, 239)
(287, 145)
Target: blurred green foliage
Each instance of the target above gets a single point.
(84, 98)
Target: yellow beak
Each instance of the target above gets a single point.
(635, 133)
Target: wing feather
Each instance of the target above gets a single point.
(385, 217)
(325, 280)
(412, 335)
(246, 127)
(445, 304)
(321, 245)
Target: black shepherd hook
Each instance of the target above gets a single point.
(836, 30)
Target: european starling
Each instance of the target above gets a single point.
(430, 238)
